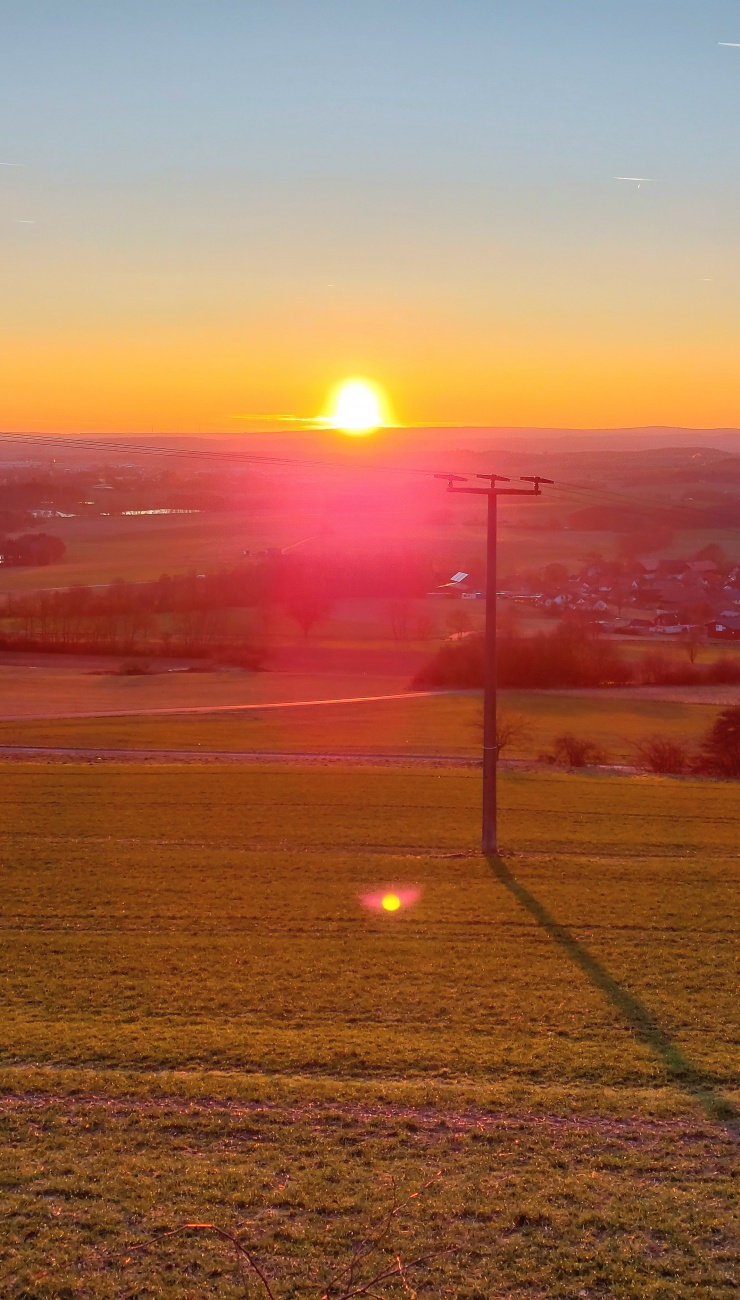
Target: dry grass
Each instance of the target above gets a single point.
(202, 1024)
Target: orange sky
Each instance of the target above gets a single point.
(208, 218)
(228, 380)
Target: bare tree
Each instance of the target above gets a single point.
(398, 613)
(459, 622)
(511, 729)
(693, 640)
(660, 753)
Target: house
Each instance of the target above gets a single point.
(647, 569)
(702, 567)
(724, 628)
(458, 588)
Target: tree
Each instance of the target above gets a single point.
(459, 622)
(511, 729)
(307, 606)
(693, 641)
(398, 613)
(721, 748)
(554, 579)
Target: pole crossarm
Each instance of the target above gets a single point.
(451, 479)
(490, 737)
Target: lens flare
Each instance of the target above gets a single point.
(391, 899)
(357, 408)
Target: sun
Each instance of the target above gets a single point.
(391, 902)
(357, 407)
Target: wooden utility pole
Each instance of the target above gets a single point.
(489, 841)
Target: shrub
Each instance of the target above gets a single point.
(570, 656)
(576, 751)
(660, 753)
(458, 663)
(658, 670)
(720, 754)
(723, 672)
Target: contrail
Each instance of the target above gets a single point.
(637, 179)
(732, 45)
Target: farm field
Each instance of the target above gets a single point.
(38, 692)
(448, 724)
(202, 1022)
(139, 550)
(136, 549)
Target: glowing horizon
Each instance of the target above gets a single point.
(230, 226)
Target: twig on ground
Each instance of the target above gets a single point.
(241, 1252)
(344, 1284)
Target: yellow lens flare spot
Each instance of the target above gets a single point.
(357, 408)
(391, 898)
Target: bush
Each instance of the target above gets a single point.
(569, 656)
(723, 672)
(658, 670)
(576, 751)
(660, 753)
(458, 663)
(720, 751)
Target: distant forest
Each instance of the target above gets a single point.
(200, 615)
(31, 549)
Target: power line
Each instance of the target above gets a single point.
(623, 498)
(214, 455)
(260, 459)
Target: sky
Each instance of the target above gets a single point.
(212, 211)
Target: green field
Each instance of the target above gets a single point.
(202, 1022)
(100, 549)
(444, 724)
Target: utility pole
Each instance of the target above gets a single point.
(490, 682)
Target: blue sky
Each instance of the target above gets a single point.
(207, 164)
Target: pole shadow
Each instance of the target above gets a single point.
(681, 1071)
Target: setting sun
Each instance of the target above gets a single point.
(357, 407)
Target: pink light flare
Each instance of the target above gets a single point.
(392, 899)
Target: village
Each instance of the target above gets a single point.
(633, 597)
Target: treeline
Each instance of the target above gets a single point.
(569, 656)
(32, 549)
(182, 615)
(202, 614)
(625, 519)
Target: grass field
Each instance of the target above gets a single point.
(140, 549)
(445, 724)
(201, 1021)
